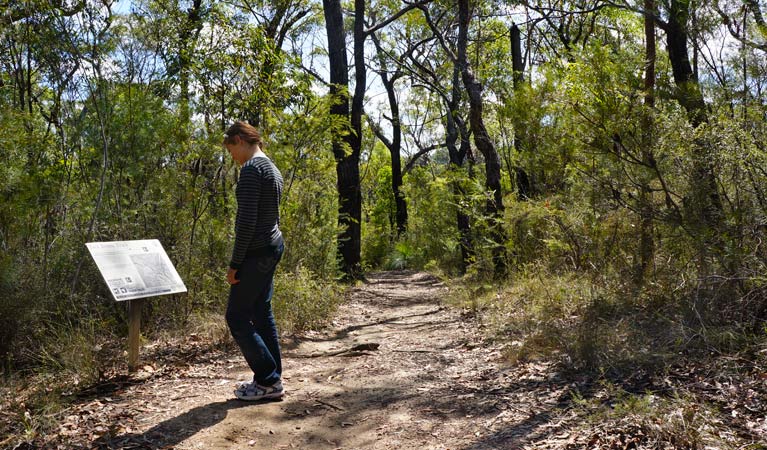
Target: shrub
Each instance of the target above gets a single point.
(302, 301)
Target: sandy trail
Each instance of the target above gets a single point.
(430, 384)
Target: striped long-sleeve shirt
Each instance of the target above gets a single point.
(258, 216)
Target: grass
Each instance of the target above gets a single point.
(302, 302)
(680, 419)
(665, 379)
(63, 359)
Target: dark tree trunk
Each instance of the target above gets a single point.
(494, 206)
(522, 180)
(517, 63)
(458, 156)
(396, 177)
(706, 201)
(347, 165)
(395, 145)
(188, 36)
(646, 242)
(688, 89)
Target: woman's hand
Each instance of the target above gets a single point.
(230, 276)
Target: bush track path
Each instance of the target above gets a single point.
(431, 384)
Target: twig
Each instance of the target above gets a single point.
(414, 351)
(330, 405)
(181, 397)
(356, 351)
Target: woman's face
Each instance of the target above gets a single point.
(238, 150)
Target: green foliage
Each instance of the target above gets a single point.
(304, 302)
(309, 205)
(379, 232)
(432, 236)
(120, 150)
(585, 135)
(110, 129)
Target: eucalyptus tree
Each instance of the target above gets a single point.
(518, 63)
(55, 75)
(704, 214)
(347, 144)
(175, 27)
(567, 26)
(409, 51)
(646, 210)
(482, 140)
(431, 68)
(389, 78)
(275, 21)
(745, 21)
(473, 88)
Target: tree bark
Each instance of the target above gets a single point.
(458, 156)
(347, 163)
(395, 144)
(517, 63)
(688, 88)
(190, 30)
(706, 201)
(522, 180)
(494, 205)
(646, 241)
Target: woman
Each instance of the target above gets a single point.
(258, 247)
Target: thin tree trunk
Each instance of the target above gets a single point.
(188, 35)
(457, 158)
(494, 205)
(646, 242)
(347, 164)
(395, 145)
(521, 178)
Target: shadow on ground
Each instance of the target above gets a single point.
(171, 432)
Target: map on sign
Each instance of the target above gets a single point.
(136, 269)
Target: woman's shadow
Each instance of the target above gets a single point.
(171, 432)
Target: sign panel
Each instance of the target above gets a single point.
(136, 269)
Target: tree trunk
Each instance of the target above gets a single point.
(457, 157)
(188, 36)
(646, 242)
(494, 205)
(707, 204)
(688, 88)
(347, 164)
(522, 180)
(517, 63)
(395, 145)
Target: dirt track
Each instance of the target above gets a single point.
(430, 384)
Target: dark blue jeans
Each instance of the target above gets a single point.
(250, 318)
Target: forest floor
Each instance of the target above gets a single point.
(398, 369)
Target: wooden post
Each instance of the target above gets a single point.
(134, 332)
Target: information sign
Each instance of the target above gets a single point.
(136, 269)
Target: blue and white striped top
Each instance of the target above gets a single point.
(258, 193)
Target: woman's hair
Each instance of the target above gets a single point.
(245, 131)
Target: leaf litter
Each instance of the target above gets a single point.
(426, 376)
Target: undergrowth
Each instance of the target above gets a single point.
(63, 359)
(655, 357)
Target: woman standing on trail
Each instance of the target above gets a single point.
(258, 247)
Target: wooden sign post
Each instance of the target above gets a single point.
(133, 271)
(134, 332)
